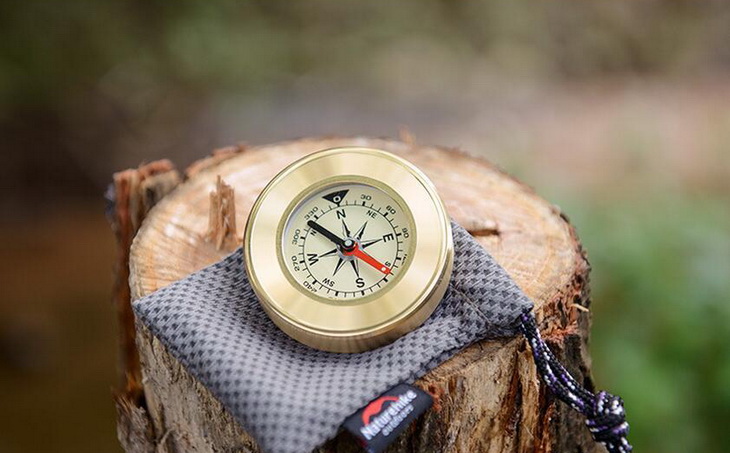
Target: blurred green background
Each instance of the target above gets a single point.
(619, 112)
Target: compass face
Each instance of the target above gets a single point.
(347, 241)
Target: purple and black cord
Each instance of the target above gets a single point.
(605, 414)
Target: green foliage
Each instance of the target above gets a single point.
(52, 50)
(661, 304)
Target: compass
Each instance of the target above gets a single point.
(348, 248)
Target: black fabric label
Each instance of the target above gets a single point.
(376, 425)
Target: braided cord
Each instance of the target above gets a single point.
(605, 414)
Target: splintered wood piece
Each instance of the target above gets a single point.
(487, 398)
(222, 217)
(133, 193)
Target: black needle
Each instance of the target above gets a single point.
(326, 233)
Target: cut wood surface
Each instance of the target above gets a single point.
(487, 398)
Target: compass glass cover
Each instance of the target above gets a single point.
(347, 241)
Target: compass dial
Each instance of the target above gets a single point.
(347, 241)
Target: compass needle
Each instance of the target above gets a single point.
(359, 253)
(325, 232)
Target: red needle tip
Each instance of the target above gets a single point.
(359, 253)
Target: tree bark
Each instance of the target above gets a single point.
(488, 398)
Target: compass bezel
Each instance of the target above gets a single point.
(349, 327)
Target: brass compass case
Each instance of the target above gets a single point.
(385, 301)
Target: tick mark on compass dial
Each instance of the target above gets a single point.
(347, 241)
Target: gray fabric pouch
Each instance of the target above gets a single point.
(292, 398)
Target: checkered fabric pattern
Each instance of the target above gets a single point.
(292, 398)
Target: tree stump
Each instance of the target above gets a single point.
(488, 398)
